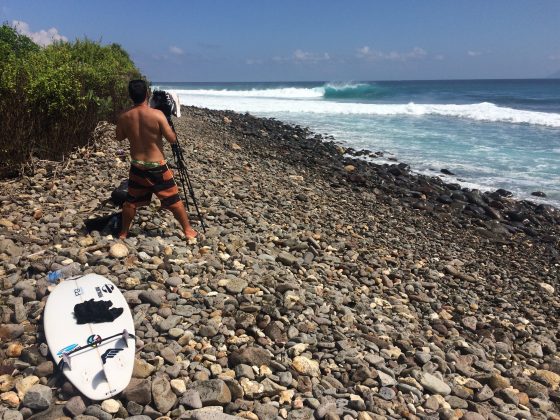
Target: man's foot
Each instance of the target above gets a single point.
(123, 235)
(190, 233)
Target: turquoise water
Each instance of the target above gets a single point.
(491, 133)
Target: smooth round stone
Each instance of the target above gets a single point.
(176, 332)
(14, 350)
(118, 250)
(110, 406)
(387, 393)
(174, 281)
(236, 285)
(165, 312)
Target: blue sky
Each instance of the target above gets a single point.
(250, 40)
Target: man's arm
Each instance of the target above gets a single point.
(120, 135)
(166, 129)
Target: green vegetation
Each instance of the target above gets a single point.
(52, 98)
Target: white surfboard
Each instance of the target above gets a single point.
(98, 358)
(177, 104)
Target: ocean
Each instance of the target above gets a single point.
(489, 133)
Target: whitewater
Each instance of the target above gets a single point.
(490, 134)
(245, 102)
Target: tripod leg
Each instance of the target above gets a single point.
(179, 163)
(184, 178)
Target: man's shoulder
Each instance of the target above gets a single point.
(152, 114)
(127, 112)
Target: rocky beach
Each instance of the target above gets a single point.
(326, 286)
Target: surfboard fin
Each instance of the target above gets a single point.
(125, 336)
(66, 360)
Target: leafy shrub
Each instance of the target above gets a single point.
(52, 98)
(15, 43)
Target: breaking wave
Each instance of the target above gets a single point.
(328, 91)
(309, 100)
(353, 91)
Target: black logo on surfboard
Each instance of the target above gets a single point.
(109, 354)
(108, 288)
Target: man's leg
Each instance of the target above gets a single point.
(128, 213)
(178, 210)
(170, 200)
(138, 194)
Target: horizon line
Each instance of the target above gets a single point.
(358, 81)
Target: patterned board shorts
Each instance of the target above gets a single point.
(143, 182)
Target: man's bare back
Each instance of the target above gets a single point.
(144, 127)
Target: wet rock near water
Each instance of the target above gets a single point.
(326, 286)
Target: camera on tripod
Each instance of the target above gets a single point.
(166, 102)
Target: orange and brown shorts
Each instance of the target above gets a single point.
(143, 182)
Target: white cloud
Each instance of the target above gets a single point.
(368, 54)
(42, 37)
(300, 56)
(176, 50)
(439, 57)
(473, 53)
(363, 52)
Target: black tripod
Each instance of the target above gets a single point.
(184, 175)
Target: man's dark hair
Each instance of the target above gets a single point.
(137, 90)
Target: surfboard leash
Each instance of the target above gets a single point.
(66, 356)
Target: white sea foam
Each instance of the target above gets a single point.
(288, 93)
(279, 93)
(300, 100)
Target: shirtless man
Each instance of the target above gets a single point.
(149, 173)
